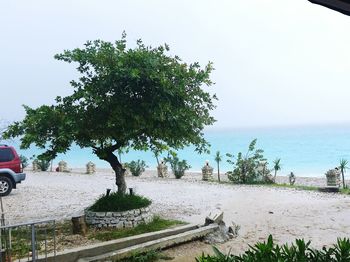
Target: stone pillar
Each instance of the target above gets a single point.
(90, 168)
(162, 169)
(207, 172)
(62, 166)
(36, 166)
(333, 177)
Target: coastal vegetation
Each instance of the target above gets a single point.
(343, 165)
(218, 159)
(298, 251)
(136, 167)
(178, 166)
(139, 98)
(43, 164)
(249, 168)
(276, 167)
(3, 128)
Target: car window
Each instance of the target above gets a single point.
(6, 155)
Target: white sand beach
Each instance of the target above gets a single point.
(259, 210)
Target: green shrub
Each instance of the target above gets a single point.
(118, 202)
(150, 256)
(299, 251)
(24, 161)
(250, 168)
(43, 164)
(178, 167)
(136, 167)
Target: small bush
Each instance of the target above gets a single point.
(117, 202)
(150, 256)
(43, 165)
(299, 251)
(136, 167)
(250, 168)
(178, 167)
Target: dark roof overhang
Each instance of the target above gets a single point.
(342, 6)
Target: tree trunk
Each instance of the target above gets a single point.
(119, 172)
(218, 172)
(79, 225)
(342, 174)
(274, 179)
(156, 155)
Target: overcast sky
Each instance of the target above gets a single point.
(278, 62)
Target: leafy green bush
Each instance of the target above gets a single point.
(178, 167)
(150, 256)
(249, 168)
(119, 202)
(43, 164)
(24, 161)
(269, 251)
(136, 167)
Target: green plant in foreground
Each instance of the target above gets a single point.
(270, 252)
(137, 167)
(177, 166)
(218, 159)
(118, 202)
(157, 224)
(343, 165)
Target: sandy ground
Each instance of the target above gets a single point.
(259, 210)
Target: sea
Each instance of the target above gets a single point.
(304, 150)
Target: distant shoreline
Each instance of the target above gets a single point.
(301, 180)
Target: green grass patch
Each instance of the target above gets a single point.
(156, 225)
(345, 191)
(300, 187)
(116, 203)
(150, 256)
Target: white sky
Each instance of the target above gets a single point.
(278, 62)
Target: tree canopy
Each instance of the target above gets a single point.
(137, 97)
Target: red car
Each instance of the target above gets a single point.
(11, 170)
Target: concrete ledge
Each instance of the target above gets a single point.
(329, 189)
(72, 255)
(161, 243)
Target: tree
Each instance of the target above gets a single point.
(3, 128)
(276, 167)
(246, 166)
(125, 97)
(218, 159)
(343, 165)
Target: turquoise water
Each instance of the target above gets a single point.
(309, 151)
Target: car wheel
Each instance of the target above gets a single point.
(5, 186)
